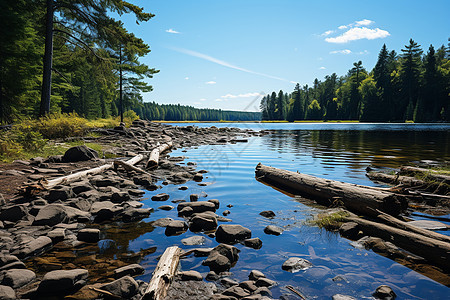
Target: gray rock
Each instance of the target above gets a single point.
(274, 230)
(342, 297)
(51, 215)
(190, 275)
(253, 297)
(265, 282)
(62, 282)
(194, 240)
(79, 153)
(203, 222)
(13, 213)
(7, 293)
(198, 177)
(89, 235)
(228, 282)
(222, 297)
(163, 222)
(349, 230)
(198, 207)
(295, 264)
(125, 287)
(130, 270)
(232, 233)
(81, 186)
(194, 197)
(384, 292)
(136, 192)
(212, 276)
(216, 202)
(254, 243)
(176, 227)
(166, 207)
(267, 214)
(33, 247)
(429, 224)
(248, 285)
(263, 291)
(160, 197)
(60, 192)
(222, 258)
(105, 210)
(10, 262)
(186, 212)
(235, 291)
(119, 197)
(255, 275)
(131, 214)
(57, 235)
(107, 182)
(16, 278)
(226, 212)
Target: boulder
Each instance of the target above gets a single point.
(273, 230)
(295, 264)
(13, 213)
(216, 202)
(10, 262)
(186, 212)
(232, 233)
(79, 153)
(119, 197)
(203, 222)
(235, 291)
(263, 291)
(163, 222)
(254, 243)
(7, 293)
(16, 278)
(105, 210)
(255, 275)
(166, 207)
(160, 197)
(89, 235)
(194, 240)
(57, 235)
(125, 287)
(228, 282)
(33, 247)
(267, 214)
(198, 207)
(349, 230)
(265, 282)
(248, 285)
(194, 197)
(222, 258)
(60, 192)
(190, 275)
(130, 270)
(384, 292)
(131, 214)
(62, 282)
(51, 215)
(176, 227)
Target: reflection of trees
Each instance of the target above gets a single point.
(384, 148)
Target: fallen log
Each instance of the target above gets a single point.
(154, 155)
(396, 179)
(73, 177)
(394, 222)
(163, 274)
(356, 198)
(434, 251)
(432, 174)
(129, 167)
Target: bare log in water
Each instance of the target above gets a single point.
(163, 274)
(434, 251)
(396, 179)
(354, 197)
(432, 174)
(154, 155)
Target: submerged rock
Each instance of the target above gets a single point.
(222, 258)
(295, 264)
(130, 270)
(274, 230)
(125, 287)
(62, 282)
(232, 233)
(384, 292)
(267, 214)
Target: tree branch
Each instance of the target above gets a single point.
(80, 41)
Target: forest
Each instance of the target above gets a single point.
(74, 56)
(410, 86)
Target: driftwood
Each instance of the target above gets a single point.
(391, 221)
(163, 274)
(154, 155)
(396, 179)
(434, 251)
(428, 172)
(73, 177)
(129, 167)
(354, 197)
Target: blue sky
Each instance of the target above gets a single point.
(224, 54)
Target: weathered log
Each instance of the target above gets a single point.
(434, 251)
(428, 172)
(163, 274)
(153, 160)
(356, 198)
(390, 220)
(396, 179)
(73, 177)
(129, 167)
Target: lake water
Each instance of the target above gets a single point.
(335, 151)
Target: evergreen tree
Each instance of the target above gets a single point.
(382, 77)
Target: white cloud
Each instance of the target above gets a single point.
(211, 82)
(294, 82)
(327, 33)
(364, 22)
(170, 30)
(345, 51)
(203, 99)
(218, 100)
(322, 68)
(342, 27)
(246, 95)
(187, 78)
(223, 63)
(358, 33)
(363, 52)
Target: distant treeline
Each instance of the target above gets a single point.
(409, 86)
(177, 112)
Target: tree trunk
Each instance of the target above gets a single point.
(394, 179)
(153, 160)
(356, 198)
(434, 251)
(120, 85)
(163, 274)
(48, 57)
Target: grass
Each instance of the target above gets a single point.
(330, 221)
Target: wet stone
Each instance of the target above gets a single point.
(216, 202)
(232, 233)
(255, 275)
(190, 275)
(130, 270)
(163, 222)
(273, 230)
(235, 291)
(295, 264)
(160, 197)
(384, 292)
(254, 243)
(166, 207)
(228, 282)
(265, 282)
(194, 197)
(226, 212)
(194, 240)
(125, 287)
(62, 282)
(267, 214)
(16, 278)
(7, 293)
(183, 188)
(89, 235)
(176, 227)
(342, 297)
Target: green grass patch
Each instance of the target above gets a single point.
(330, 221)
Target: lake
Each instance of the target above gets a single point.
(336, 151)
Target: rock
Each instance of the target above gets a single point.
(33, 247)
(248, 285)
(194, 197)
(274, 230)
(89, 235)
(228, 282)
(384, 292)
(54, 159)
(136, 192)
(60, 192)
(212, 276)
(130, 270)
(105, 210)
(79, 153)
(198, 207)
(235, 291)
(342, 297)
(198, 177)
(232, 233)
(160, 197)
(166, 207)
(222, 297)
(119, 197)
(263, 291)
(295, 264)
(51, 215)
(265, 282)
(349, 230)
(163, 222)
(107, 182)
(194, 240)
(13, 213)
(267, 214)
(203, 222)
(125, 287)
(226, 212)
(81, 186)
(429, 224)
(131, 214)
(62, 282)
(183, 188)
(222, 258)
(254, 243)
(216, 202)
(176, 227)
(7, 293)
(16, 278)
(57, 235)
(186, 212)
(253, 297)
(190, 275)
(255, 275)
(10, 262)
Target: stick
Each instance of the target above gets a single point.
(291, 288)
(163, 274)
